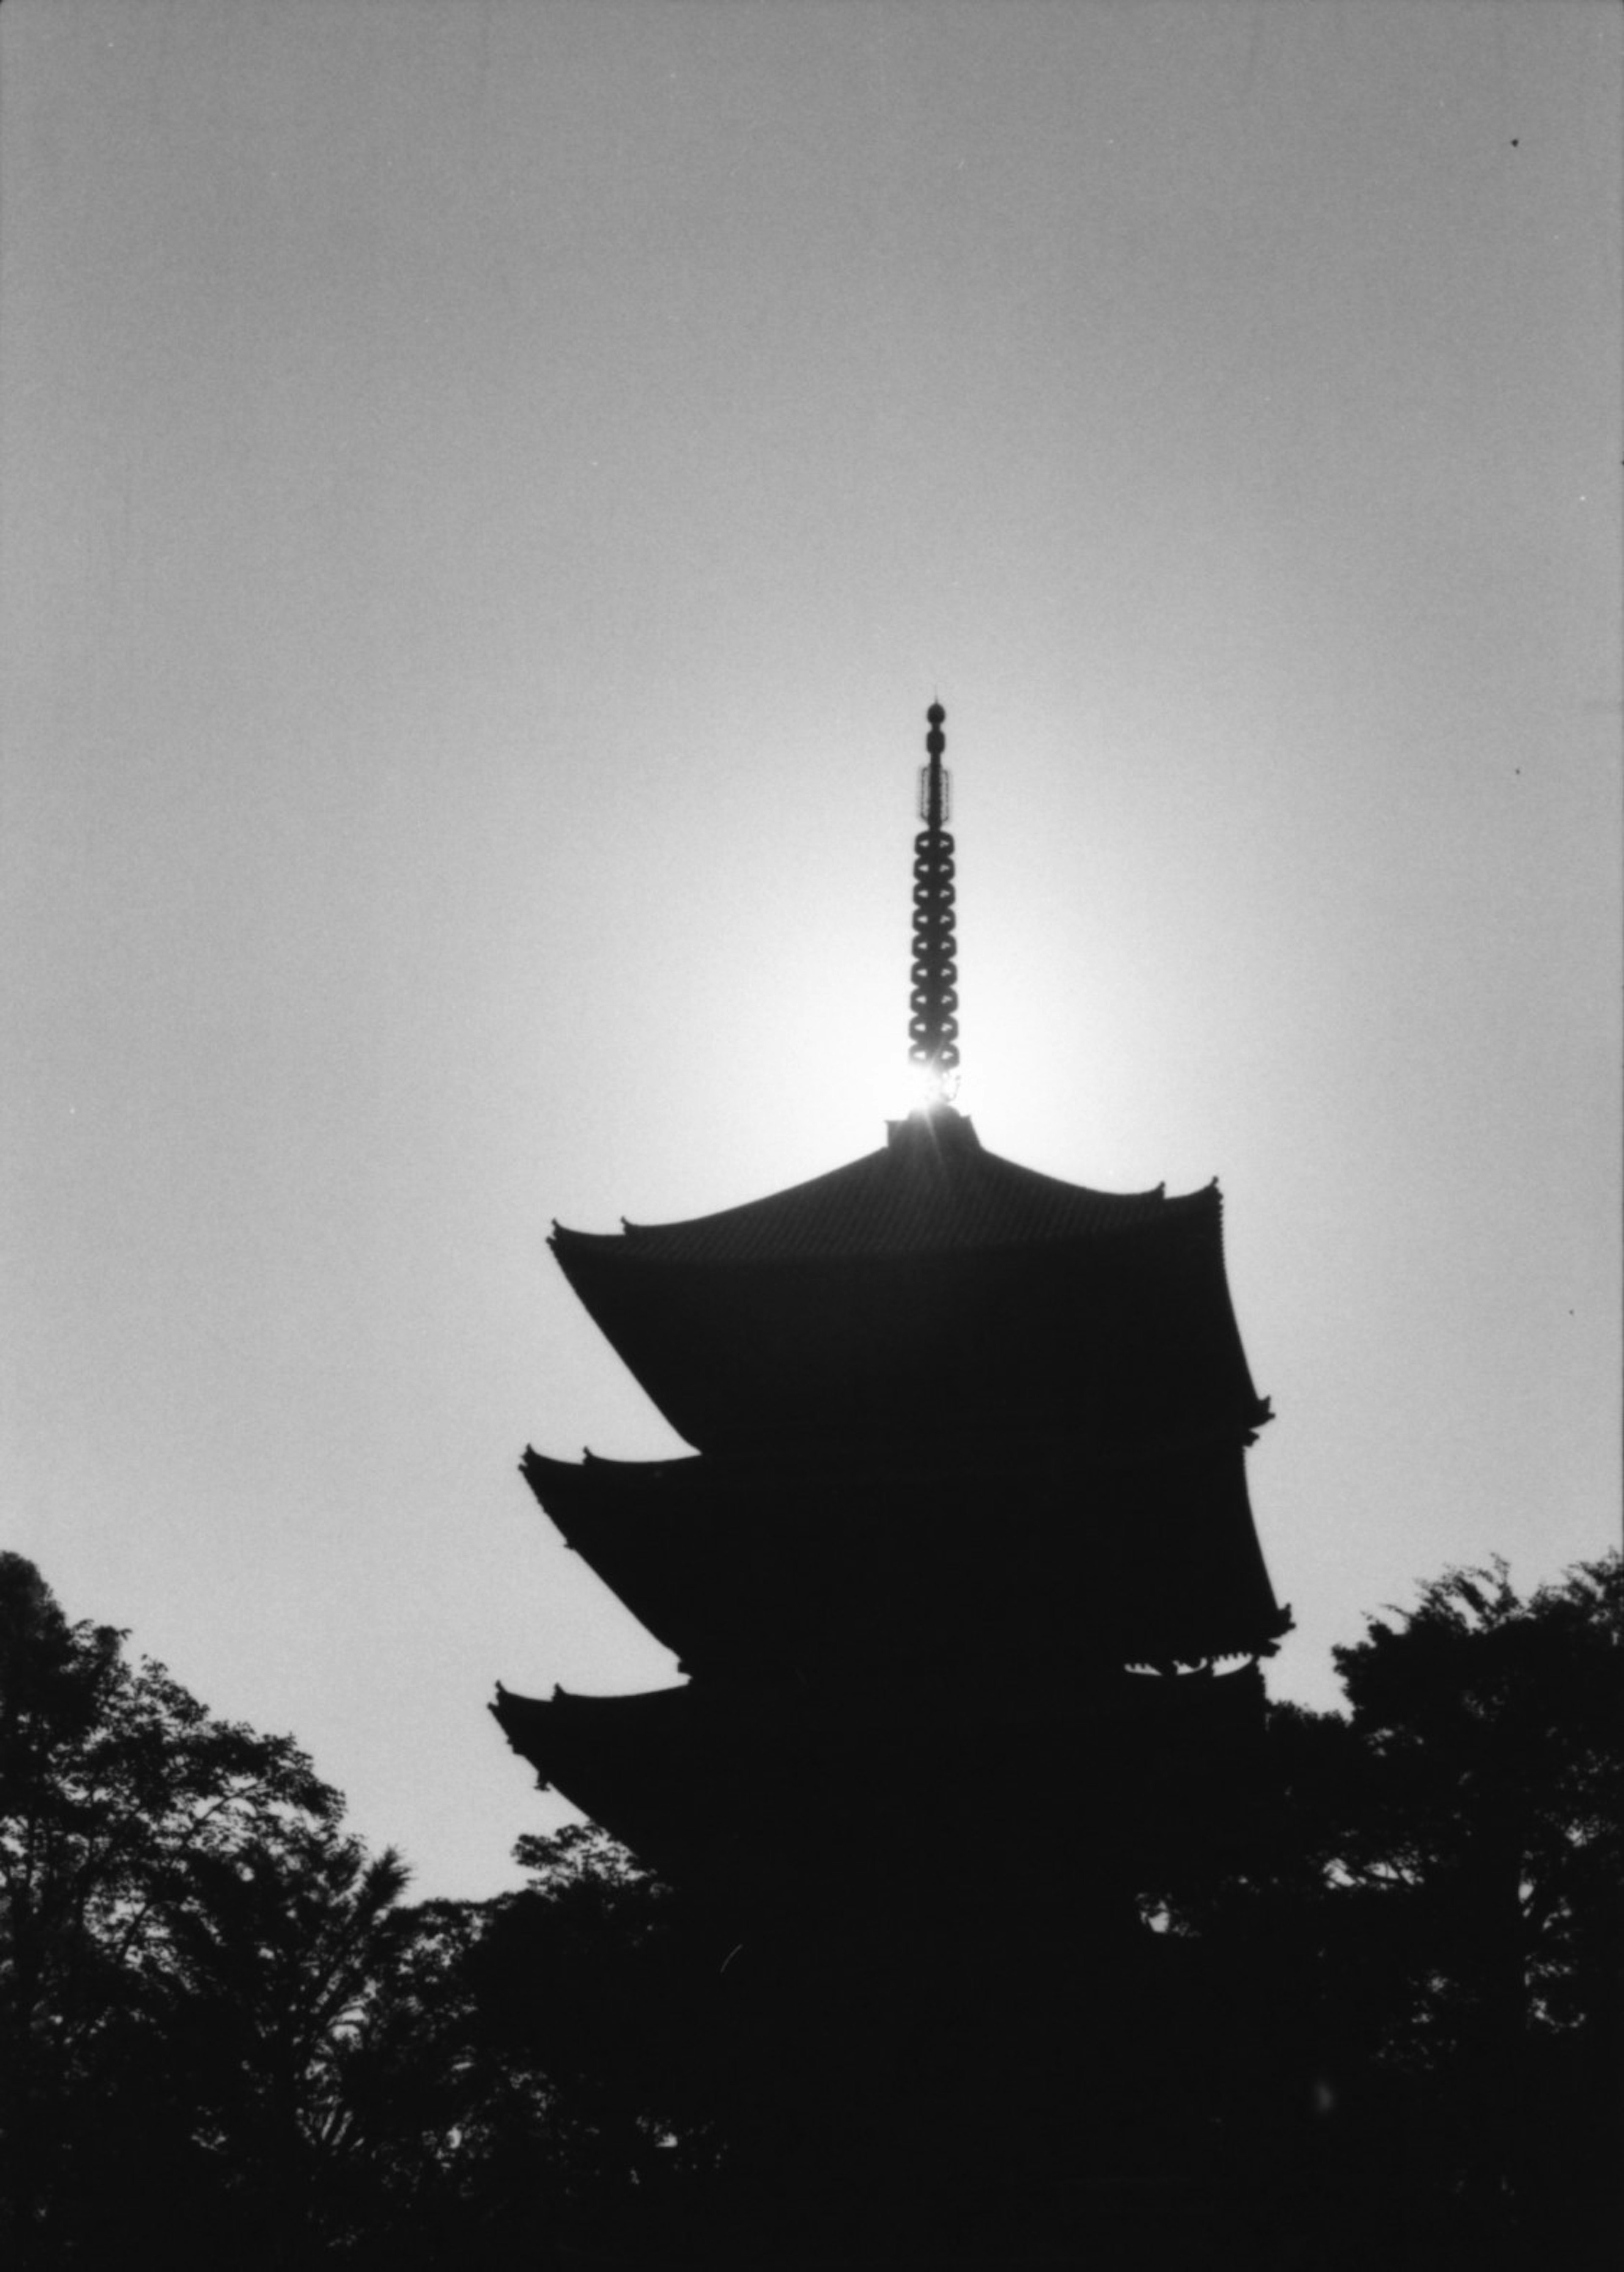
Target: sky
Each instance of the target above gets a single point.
(490, 492)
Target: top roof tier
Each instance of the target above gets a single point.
(927, 1286)
(929, 1189)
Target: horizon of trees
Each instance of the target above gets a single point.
(228, 2036)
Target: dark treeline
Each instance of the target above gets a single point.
(1391, 1991)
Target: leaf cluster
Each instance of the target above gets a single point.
(226, 2036)
(1424, 1909)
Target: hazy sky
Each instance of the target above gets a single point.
(490, 492)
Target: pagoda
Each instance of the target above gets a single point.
(964, 1580)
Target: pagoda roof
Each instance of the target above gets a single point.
(700, 1787)
(985, 1550)
(931, 1189)
(928, 1279)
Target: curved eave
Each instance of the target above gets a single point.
(929, 1188)
(647, 1768)
(817, 1563)
(650, 1546)
(722, 1788)
(1134, 1330)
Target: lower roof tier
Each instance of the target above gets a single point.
(754, 1790)
(989, 1552)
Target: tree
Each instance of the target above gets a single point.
(121, 1799)
(224, 2038)
(1494, 1833)
(1496, 1728)
(280, 1957)
(601, 1972)
(527, 2066)
(1418, 1928)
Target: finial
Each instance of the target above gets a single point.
(932, 1026)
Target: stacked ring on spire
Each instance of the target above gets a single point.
(933, 1028)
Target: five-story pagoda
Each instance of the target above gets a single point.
(964, 1534)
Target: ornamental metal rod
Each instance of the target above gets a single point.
(933, 1026)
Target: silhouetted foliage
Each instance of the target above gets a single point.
(225, 2039)
(517, 2074)
(1419, 1927)
(122, 1804)
(599, 1970)
(1381, 2013)
(1494, 1801)
(282, 1959)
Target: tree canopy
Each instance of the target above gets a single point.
(225, 2038)
(125, 1808)
(1417, 1922)
(1389, 1993)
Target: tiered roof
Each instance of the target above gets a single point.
(930, 1277)
(923, 1555)
(970, 1448)
(732, 1788)
(931, 1188)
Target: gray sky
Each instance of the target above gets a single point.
(490, 492)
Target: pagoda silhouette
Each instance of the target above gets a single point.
(964, 1578)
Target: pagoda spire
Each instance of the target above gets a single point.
(933, 1026)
